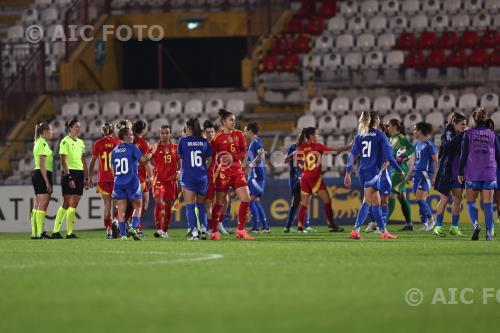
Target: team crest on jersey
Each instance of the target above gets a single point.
(167, 150)
(230, 139)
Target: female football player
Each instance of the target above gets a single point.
(74, 178)
(41, 179)
(479, 158)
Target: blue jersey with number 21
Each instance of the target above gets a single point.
(194, 152)
(372, 149)
(125, 159)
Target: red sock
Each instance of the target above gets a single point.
(242, 215)
(166, 218)
(302, 215)
(327, 207)
(107, 224)
(216, 210)
(158, 216)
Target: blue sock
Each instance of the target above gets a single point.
(439, 220)
(307, 220)
(227, 216)
(385, 213)
(191, 216)
(202, 215)
(292, 213)
(488, 217)
(370, 214)
(262, 215)
(135, 221)
(123, 228)
(377, 215)
(454, 220)
(255, 215)
(423, 211)
(471, 208)
(362, 213)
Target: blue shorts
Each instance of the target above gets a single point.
(385, 184)
(455, 185)
(127, 193)
(478, 186)
(199, 188)
(498, 182)
(369, 181)
(422, 181)
(256, 186)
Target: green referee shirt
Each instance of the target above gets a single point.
(73, 149)
(42, 148)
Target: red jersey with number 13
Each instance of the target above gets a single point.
(309, 156)
(102, 149)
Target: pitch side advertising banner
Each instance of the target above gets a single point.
(16, 203)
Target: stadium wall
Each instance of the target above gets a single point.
(16, 203)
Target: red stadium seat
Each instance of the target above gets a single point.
(406, 41)
(495, 58)
(469, 39)
(490, 38)
(269, 63)
(414, 59)
(449, 40)
(303, 44)
(315, 26)
(328, 8)
(457, 58)
(307, 9)
(295, 26)
(436, 59)
(283, 44)
(290, 63)
(479, 58)
(427, 40)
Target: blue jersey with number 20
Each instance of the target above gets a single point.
(125, 159)
(194, 152)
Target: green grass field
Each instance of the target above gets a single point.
(318, 282)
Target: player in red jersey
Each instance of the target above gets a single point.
(229, 147)
(105, 182)
(139, 130)
(165, 173)
(309, 156)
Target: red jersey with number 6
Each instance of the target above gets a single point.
(309, 156)
(165, 163)
(232, 143)
(102, 149)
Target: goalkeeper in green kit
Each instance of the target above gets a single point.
(403, 149)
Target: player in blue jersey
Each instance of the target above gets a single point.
(423, 172)
(295, 176)
(125, 159)
(256, 177)
(194, 150)
(371, 146)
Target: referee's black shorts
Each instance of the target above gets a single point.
(77, 176)
(39, 183)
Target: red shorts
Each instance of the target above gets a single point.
(226, 180)
(166, 190)
(105, 188)
(312, 185)
(144, 187)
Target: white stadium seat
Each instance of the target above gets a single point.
(344, 42)
(452, 6)
(111, 110)
(90, 110)
(327, 123)
(29, 15)
(377, 24)
(390, 116)
(193, 108)
(447, 102)
(318, 105)
(467, 102)
(382, 104)
(481, 21)
(94, 130)
(212, 106)
(152, 109)
(15, 32)
(236, 106)
(332, 61)
(386, 41)
(473, 6)
(398, 24)
(349, 8)
(353, 60)
(424, 103)
(374, 59)
(336, 25)
(403, 103)
(490, 101)
(157, 124)
(57, 127)
(431, 6)
(419, 23)
(356, 25)
(492, 5)
(440, 22)
(172, 109)
(365, 42)
(410, 6)
(394, 59)
(496, 21)
(340, 105)
(178, 126)
(50, 15)
(132, 109)
(436, 119)
(460, 22)
(369, 7)
(348, 123)
(323, 44)
(390, 7)
(496, 119)
(361, 103)
(307, 120)
(70, 110)
(411, 119)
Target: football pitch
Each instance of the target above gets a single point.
(319, 282)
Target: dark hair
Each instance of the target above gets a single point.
(123, 132)
(139, 127)
(194, 125)
(217, 127)
(69, 124)
(309, 132)
(253, 127)
(397, 123)
(383, 128)
(424, 127)
(107, 129)
(223, 114)
(207, 124)
(367, 121)
(456, 118)
(164, 127)
(490, 124)
(301, 137)
(40, 128)
(480, 115)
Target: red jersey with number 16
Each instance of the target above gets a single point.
(309, 156)
(144, 147)
(165, 162)
(232, 143)
(102, 149)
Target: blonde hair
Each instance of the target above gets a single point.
(107, 129)
(364, 123)
(480, 115)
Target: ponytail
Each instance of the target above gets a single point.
(69, 124)
(301, 137)
(223, 114)
(364, 123)
(107, 129)
(40, 128)
(480, 115)
(194, 125)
